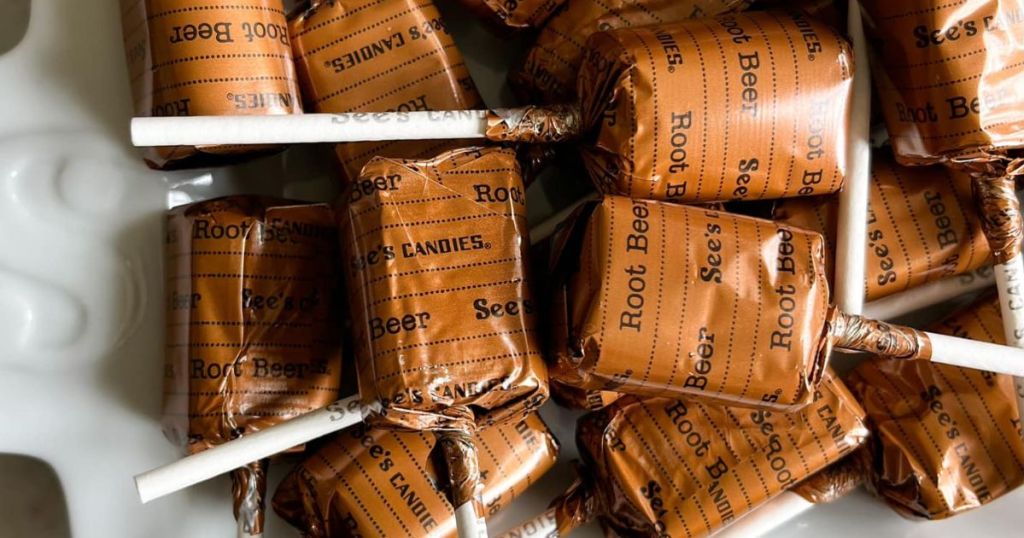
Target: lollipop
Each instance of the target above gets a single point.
(251, 331)
(345, 54)
(921, 226)
(663, 299)
(662, 467)
(201, 58)
(944, 439)
(374, 482)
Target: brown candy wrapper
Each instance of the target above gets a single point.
(374, 482)
(946, 439)
(949, 76)
(745, 106)
(507, 16)
(664, 467)
(444, 322)
(548, 72)
(833, 482)
(999, 207)
(251, 330)
(208, 58)
(662, 299)
(379, 56)
(922, 226)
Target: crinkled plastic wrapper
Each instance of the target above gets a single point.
(949, 76)
(744, 106)
(662, 467)
(507, 16)
(663, 299)
(251, 322)
(444, 321)
(922, 226)
(945, 439)
(379, 56)
(208, 58)
(548, 72)
(375, 482)
(833, 482)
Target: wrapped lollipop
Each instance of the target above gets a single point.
(662, 467)
(375, 482)
(950, 84)
(202, 58)
(664, 299)
(944, 439)
(346, 53)
(251, 336)
(922, 226)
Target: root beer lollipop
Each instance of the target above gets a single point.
(374, 482)
(204, 57)
(767, 117)
(664, 299)
(251, 331)
(663, 467)
(388, 55)
(443, 319)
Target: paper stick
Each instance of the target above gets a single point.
(767, 517)
(543, 525)
(977, 355)
(223, 458)
(851, 243)
(468, 523)
(930, 294)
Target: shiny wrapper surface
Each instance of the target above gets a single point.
(548, 72)
(677, 468)
(375, 482)
(922, 226)
(743, 106)
(944, 439)
(208, 58)
(833, 482)
(379, 56)
(663, 299)
(949, 76)
(444, 323)
(506, 16)
(999, 208)
(252, 336)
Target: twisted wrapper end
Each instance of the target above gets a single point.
(832, 482)
(459, 457)
(249, 490)
(893, 341)
(999, 210)
(534, 124)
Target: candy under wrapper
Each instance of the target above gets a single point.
(444, 321)
(833, 482)
(662, 467)
(743, 106)
(949, 77)
(662, 299)
(252, 336)
(945, 439)
(508, 16)
(548, 72)
(922, 226)
(377, 56)
(375, 482)
(208, 58)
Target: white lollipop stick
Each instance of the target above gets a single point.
(930, 294)
(1010, 283)
(468, 524)
(767, 517)
(542, 526)
(307, 128)
(851, 242)
(223, 458)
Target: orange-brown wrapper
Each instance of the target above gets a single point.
(745, 106)
(833, 482)
(252, 336)
(375, 482)
(662, 467)
(379, 56)
(208, 58)
(444, 322)
(999, 208)
(922, 226)
(508, 16)
(662, 299)
(945, 439)
(949, 76)
(548, 72)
